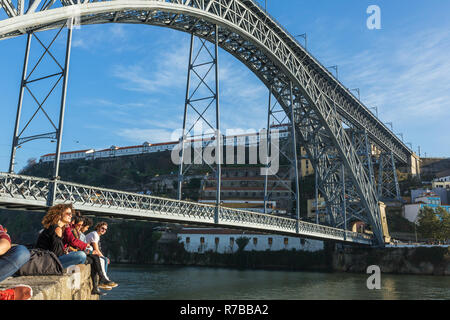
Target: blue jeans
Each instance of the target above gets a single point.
(12, 260)
(73, 258)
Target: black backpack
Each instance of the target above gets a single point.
(41, 263)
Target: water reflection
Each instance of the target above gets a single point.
(191, 283)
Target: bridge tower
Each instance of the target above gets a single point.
(388, 186)
(40, 78)
(287, 148)
(202, 108)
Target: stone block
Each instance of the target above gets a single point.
(76, 284)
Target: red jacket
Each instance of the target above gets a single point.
(4, 235)
(70, 240)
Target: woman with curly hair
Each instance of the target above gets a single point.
(51, 238)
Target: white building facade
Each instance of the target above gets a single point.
(252, 139)
(225, 241)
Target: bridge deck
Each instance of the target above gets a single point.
(32, 193)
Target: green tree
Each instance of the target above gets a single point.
(433, 224)
(444, 222)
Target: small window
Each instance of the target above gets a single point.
(255, 241)
(217, 240)
(188, 240)
(286, 241)
(270, 241)
(231, 241)
(202, 240)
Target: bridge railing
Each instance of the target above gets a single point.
(36, 191)
(24, 187)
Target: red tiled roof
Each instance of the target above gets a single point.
(69, 152)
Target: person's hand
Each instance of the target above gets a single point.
(96, 252)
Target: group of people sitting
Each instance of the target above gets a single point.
(64, 234)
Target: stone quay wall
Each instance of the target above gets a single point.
(76, 284)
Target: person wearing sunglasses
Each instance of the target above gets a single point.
(97, 274)
(51, 238)
(94, 239)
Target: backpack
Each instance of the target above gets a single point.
(41, 263)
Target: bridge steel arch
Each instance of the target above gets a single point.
(322, 104)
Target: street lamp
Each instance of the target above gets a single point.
(359, 93)
(376, 110)
(390, 123)
(304, 36)
(336, 69)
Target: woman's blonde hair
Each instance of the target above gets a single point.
(54, 214)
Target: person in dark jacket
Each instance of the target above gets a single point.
(51, 238)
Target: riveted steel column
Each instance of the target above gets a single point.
(218, 132)
(344, 206)
(62, 109)
(19, 106)
(183, 138)
(266, 177)
(316, 178)
(295, 160)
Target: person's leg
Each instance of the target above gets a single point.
(95, 275)
(73, 258)
(12, 260)
(104, 265)
(97, 265)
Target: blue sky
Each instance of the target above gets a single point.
(127, 82)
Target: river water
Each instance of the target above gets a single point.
(197, 283)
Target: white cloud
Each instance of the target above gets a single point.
(409, 80)
(149, 135)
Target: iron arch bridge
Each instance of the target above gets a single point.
(333, 126)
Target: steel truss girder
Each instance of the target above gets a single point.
(329, 160)
(17, 190)
(269, 51)
(242, 16)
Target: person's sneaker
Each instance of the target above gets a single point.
(109, 283)
(7, 294)
(98, 292)
(104, 286)
(20, 292)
